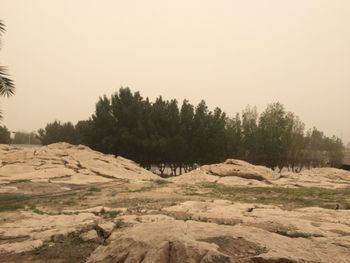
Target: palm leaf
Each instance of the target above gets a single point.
(2, 27)
(7, 85)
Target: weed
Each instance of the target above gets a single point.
(287, 197)
(94, 189)
(160, 181)
(119, 223)
(108, 214)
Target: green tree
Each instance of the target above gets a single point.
(216, 137)
(200, 133)
(5, 135)
(250, 135)
(234, 137)
(57, 132)
(84, 132)
(25, 138)
(272, 127)
(335, 150)
(294, 142)
(104, 126)
(186, 132)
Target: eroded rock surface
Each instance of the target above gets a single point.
(240, 173)
(193, 241)
(33, 229)
(64, 203)
(62, 163)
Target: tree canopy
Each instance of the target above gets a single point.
(164, 133)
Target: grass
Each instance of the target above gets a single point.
(288, 198)
(109, 215)
(94, 189)
(160, 182)
(11, 201)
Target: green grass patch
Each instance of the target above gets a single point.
(108, 214)
(160, 182)
(11, 201)
(94, 189)
(286, 197)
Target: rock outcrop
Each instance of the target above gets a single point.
(171, 240)
(240, 173)
(65, 203)
(62, 163)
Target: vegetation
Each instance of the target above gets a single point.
(7, 86)
(288, 198)
(25, 138)
(5, 135)
(11, 201)
(19, 137)
(164, 134)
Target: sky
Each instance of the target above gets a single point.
(64, 55)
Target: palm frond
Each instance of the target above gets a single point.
(7, 85)
(2, 27)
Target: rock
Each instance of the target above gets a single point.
(40, 228)
(240, 173)
(104, 230)
(90, 236)
(62, 163)
(192, 241)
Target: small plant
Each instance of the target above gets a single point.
(11, 201)
(161, 181)
(108, 214)
(94, 189)
(119, 223)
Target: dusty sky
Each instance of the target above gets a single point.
(64, 54)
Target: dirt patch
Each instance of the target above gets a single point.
(29, 187)
(68, 251)
(236, 247)
(15, 239)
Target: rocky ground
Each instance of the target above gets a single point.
(64, 203)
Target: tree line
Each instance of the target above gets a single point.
(166, 134)
(18, 137)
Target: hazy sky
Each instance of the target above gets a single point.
(64, 54)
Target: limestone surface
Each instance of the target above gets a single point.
(62, 163)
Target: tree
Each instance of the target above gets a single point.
(200, 133)
(234, 137)
(7, 86)
(5, 135)
(335, 150)
(57, 132)
(216, 137)
(272, 127)
(294, 143)
(84, 132)
(186, 132)
(104, 127)
(25, 138)
(250, 135)
(159, 133)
